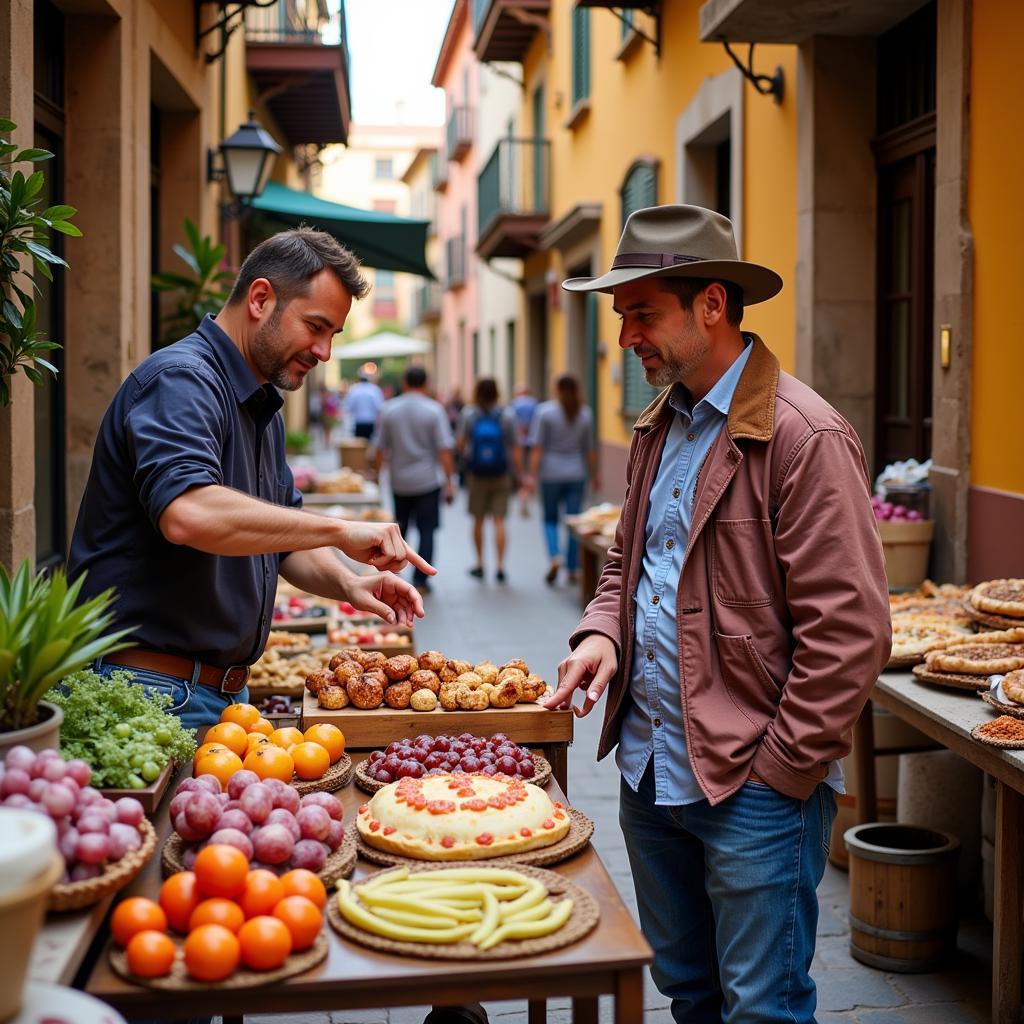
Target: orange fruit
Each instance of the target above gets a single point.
(178, 898)
(286, 737)
(328, 736)
(221, 763)
(150, 954)
(135, 915)
(217, 911)
(303, 919)
(245, 715)
(253, 740)
(231, 735)
(262, 726)
(300, 882)
(211, 952)
(265, 943)
(311, 760)
(209, 748)
(270, 762)
(221, 871)
(263, 892)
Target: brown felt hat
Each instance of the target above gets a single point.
(681, 241)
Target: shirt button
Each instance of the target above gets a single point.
(675, 492)
(655, 599)
(690, 437)
(657, 723)
(650, 655)
(670, 544)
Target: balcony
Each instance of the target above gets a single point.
(298, 64)
(427, 304)
(460, 132)
(455, 262)
(504, 29)
(513, 198)
(439, 172)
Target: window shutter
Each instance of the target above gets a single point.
(580, 53)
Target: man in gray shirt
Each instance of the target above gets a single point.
(416, 439)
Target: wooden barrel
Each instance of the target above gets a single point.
(903, 912)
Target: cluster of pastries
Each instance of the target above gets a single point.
(275, 672)
(367, 679)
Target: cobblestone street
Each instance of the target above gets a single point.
(477, 620)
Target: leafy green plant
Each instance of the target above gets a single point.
(44, 636)
(25, 231)
(201, 292)
(298, 442)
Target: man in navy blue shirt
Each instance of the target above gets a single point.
(190, 511)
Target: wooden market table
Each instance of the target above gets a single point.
(593, 554)
(529, 724)
(610, 960)
(948, 716)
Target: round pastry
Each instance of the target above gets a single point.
(519, 664)
(400, 667)
(423, 700)
(334, 698)
(532, 689)
(424, 679)
(458, 667)
(355, 653)
(448, 695)
(470, 679)
(432, 660)
(373, 659)
(338, 659)
(471, 700)
(504, 695)
(487, 671)
(365, 692)
(348, 670)
(316, 681)
(378, 675)
(397, 695)
(461, 817)
(446, 674)
(511, 673)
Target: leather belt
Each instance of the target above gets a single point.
(230, 680)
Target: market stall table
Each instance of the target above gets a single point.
(609, 960)
(948, 716)
(593, 554)
(369, 495)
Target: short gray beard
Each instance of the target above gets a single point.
(266, 357)
(675, 371)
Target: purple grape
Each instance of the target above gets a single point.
(57, 800)
(89, 795)
(20, 757)
(308, 854)
(37, 787)
(314, 822)
(239, 781)
(203, 814)
(186, 831)
(490, 769)
(93, 848)
(68, 845)
(105, 807)
(129, 811)
(913, 516)
(188, 858)
(83, 872)
(209, 782)
(285, 797)
(272, 844)
(257, 802)
(78, 770)
(331, 804)
(335, 834)
(383, 775)
(19, 801)
(90, 821)
(16, 780)
(179, 802)
(526, 769)
(507, 765)
(279, 816)
(122, 839)
(189, 785)
(54, 769)
(233, 837)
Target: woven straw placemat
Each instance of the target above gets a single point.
(1013, 710)
(339, 864)
(179, 981)
(991, 619)
(334, 778)
(541, 775)
(991, 741)
(76, 895)
(905, 661)
(953, 680)
(581, 828)
(582, 920)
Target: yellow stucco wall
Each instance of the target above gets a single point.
(997, 218)
(635, 106)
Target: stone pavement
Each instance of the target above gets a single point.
(525, 618)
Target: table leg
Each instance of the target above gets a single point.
(864, 765)
(584, 1010)
(1006, 925)
(629, 997)
(232, 1020)
(558, 755)
(588, 575)
(537, 1011)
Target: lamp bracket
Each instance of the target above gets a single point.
(227, 22)
(766, 85)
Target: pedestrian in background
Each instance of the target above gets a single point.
(490, 452)
(524, 405)
(362, 406)
(562, 455)
(415, 438)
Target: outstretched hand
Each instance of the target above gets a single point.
(386, 595)
(590, 667)
(382, 546)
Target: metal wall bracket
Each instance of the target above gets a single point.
(227, 22)
(653, 11)
(766, 85)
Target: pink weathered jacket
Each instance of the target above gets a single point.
(782, 614)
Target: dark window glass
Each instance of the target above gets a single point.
(906, 70)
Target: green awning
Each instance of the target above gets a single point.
(380, 240)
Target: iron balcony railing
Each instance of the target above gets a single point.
(455, 250)
(428, 302)
(288, 22)
(515, 181)
(460, 132)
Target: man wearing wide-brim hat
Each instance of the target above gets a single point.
(739, 625)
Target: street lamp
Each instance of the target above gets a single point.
(245, 160)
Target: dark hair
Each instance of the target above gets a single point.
(568, 395)
(688, 288)
(486, 394)
(290, 259)
(415, 377)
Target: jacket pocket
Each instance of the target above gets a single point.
(746, 680)
(742, 562)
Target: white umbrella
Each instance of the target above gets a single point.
(383, 345)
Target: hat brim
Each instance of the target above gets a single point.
(758, 283)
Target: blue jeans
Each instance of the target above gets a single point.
(195, 706)
(570, 494)
(727, 899)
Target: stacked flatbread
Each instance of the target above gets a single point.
(927, 620)
(998, 603)
(967, 664)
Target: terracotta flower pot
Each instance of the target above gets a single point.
(44, 734)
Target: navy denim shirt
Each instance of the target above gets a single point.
(189, 415)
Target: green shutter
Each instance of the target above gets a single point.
(580, 54)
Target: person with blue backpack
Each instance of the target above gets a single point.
(489, 447)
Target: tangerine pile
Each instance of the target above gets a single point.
(230, 916)
(244, 739)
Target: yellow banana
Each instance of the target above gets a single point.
(491, 919)
(363, 918)
(530, 929)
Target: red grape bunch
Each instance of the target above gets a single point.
(434, 755)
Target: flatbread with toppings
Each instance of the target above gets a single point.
(912, 637)
(1013, 686)
(977, 659)
(1000, 597)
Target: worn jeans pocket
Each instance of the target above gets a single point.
(156, 682)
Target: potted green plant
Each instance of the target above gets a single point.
(45, 635)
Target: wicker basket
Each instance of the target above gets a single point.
(76, 895)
